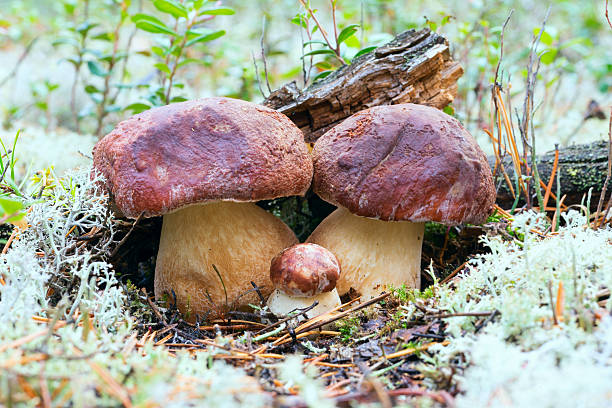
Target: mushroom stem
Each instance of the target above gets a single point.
(280, 303)
(239, 239)
(374, 255)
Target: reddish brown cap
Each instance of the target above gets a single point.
(305, 270)
(404, 162)
(203, 150)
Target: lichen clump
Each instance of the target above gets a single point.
(64, 332)
(522, 357)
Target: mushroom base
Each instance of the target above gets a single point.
(374, 255)
(239, 239)
(280, 303)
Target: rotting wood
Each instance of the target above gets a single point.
(416, 66)
(582, 167)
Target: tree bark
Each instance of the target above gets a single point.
(416, 66)
(581, 168)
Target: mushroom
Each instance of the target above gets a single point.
(303, 274)
(390, 169)
(202, 164)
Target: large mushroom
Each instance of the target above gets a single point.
(389, 169)
(202, 164)
(304, 274)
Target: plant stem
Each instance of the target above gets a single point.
(178, 57)
(323, 33)
(102, 112)
(333, 6)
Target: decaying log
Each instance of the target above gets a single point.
(581, 168)
(416, 66)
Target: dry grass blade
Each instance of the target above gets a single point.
(309, 333)
(26, 339)
(9, 241)
(114, 387)
(502, 117)
(497, 148)
(560, 304)
(453, 273)
(409, 351)
(26, 387)
(330, 317)
(552, 178)
(23, 360)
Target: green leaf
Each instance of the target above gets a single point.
(172, 7)
(321, 75)
(191, 61)
(96, 69)
(69, 7)
(449, 110)
(176, 50)
(151, 24)
(74, 61)
(221, 11)
(84, 28)
(106, 58)
(154, 28)
(299, 20)
(13, 161)
(178, 99)
(104, 37)
(315, 42)
(545, 38)
(67, 41)
(347, 32)
(206, 37)
(364, 51)
(353, 42)
(159, 51)
(51, 86)
(146, 17)
(323, 65)
(319, 52)
(10, 206)
(90, 89)
(163, 68)
(548, 56)
(137, 107)
(97, 98)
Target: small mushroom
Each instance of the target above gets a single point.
(202, 164)
(389, 169)
(301, 275)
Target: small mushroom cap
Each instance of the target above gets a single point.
(305, 270)
(404, 162)
(211, 149)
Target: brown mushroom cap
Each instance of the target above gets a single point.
(404, 162)
(203, 150)
(305, 270)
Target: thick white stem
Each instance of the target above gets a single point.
(281, 304)
(239, 239)
(374, 255)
